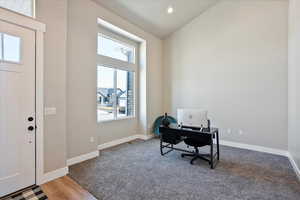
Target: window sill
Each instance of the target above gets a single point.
(115, 120)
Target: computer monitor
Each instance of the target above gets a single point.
(192, 117)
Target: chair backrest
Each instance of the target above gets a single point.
(192, 117)
(171, 137)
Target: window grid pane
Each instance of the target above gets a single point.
(115, 93)
(11, 48)
(105, 93)
(115, 49)
(125, 95)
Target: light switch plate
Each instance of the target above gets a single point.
(50, 111)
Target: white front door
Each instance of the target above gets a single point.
(17, 108)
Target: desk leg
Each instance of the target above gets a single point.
(218, 146)
(161, 148)
(212, 152)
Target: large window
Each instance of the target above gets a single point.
(116, 72)
(25, 7)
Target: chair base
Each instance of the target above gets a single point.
(196, 156)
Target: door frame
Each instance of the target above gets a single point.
(39, 29)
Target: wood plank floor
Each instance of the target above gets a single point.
(65, 188)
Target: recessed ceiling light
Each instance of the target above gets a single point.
(170, 10)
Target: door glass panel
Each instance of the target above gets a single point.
(24, 7)
(105, 93)
(124, 93)
(11, 48)
(115, 49)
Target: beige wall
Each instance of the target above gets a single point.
(75, 91)
(81, 80)
(232, 61)
(54, 14)
(294, 80)
(231, 43)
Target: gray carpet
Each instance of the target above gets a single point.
(137, 171)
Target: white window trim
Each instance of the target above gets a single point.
(116, 36)
(117, 119)
(34, 9)
(113, 63)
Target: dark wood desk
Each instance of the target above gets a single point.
(180, 133)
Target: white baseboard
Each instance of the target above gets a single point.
(265, 150)
(64, 171)
(146, 137)
(84, 157)
(49, 176)
(123, 140)
(295, 166)
(117, 142)
(88, 156)
(254, 148)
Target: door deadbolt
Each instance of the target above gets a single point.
(30, 128)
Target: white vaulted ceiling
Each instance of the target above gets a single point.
(152, 16)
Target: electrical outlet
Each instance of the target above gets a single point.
(229, 131)
(50, 111)
(92, 139)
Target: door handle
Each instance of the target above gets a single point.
(30, 128)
